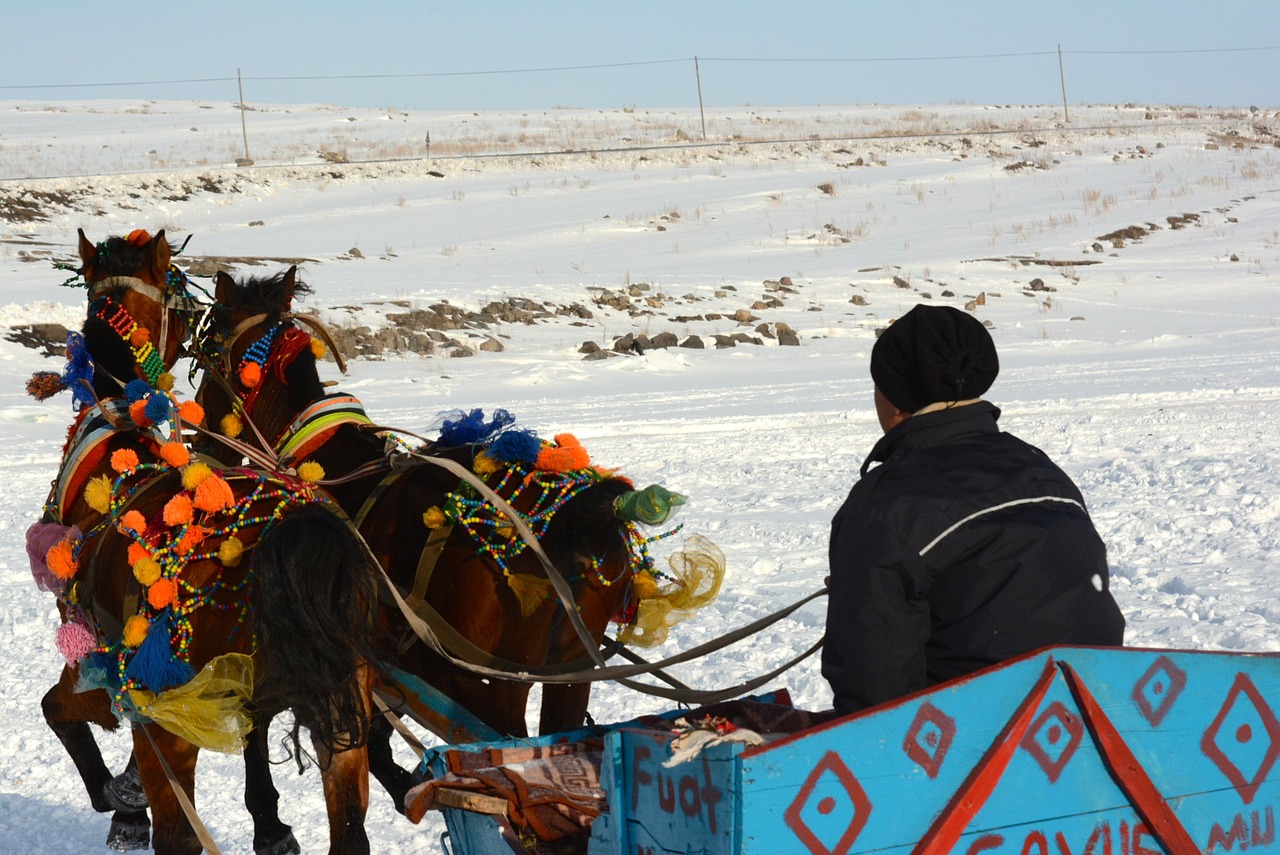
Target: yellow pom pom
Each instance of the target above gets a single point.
(97, 494)
(230, 551)
(311, 471)
(165, 382)
(135, 630)
(194, 474)
(505, 531)
(146, 571)
(433, 517)
(318, 350)
(191, 412)
(123, 459)
(231, 425)
(485, 465)
(175, 454)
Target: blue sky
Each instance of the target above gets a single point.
(495, 55)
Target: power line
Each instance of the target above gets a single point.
(598, 66)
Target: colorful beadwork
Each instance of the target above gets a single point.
(122, 323)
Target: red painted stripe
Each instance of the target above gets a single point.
(981, 782)
(1128, 772)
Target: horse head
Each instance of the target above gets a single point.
(139, 308)
(259, 364)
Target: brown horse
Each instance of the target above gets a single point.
(161, 605)
(455, 578)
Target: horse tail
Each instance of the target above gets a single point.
(314, 594)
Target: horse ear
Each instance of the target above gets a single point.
(87, 250)
(160, 255)
(223, 287)
(290, 284)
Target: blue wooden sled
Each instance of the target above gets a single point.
(1064, 751)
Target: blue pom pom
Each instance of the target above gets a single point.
(157, 408)
(136, 390)
(153, 664)
(516, 446)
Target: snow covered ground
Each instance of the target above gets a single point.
(1146, 364)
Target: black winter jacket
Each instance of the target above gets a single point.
(965, 547)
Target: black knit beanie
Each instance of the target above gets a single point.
(931, 354)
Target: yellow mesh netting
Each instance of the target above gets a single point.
(697, 571)
(209, 710)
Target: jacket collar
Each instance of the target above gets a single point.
(934, 428)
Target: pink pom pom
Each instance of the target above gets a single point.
(75, 642)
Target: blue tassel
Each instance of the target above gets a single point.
(461, 428)
(157, 408)
(516, 446)
(79, 367)
(153, 664)
(136, 390)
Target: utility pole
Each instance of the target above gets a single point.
(246, 160)
(1062, 75)
(697, 73)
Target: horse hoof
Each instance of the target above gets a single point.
(286, 845)
(124, 792)
(129, 833)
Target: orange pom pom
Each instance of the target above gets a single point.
(175, 454)
(139, 337)
(61, 560)
(138, 237)
(563, 459)
(138, 413)
(123, 459)
(162, 593)
(191, 538)
(137, 552)
(214, 494)
(177, 511)
(250, 374)
(133, 521)
(191, 412)
(564, 440)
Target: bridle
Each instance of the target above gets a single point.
(173, 298)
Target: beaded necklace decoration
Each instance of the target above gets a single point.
(544, 477)
(203, 521)
(254, 362)
(138, 339)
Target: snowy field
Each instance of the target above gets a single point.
(1145, 363)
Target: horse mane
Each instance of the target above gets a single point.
(266, 295)
(117, 257)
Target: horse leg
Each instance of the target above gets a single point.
(270, 835)
(68, 714)
(346, 795)
(172, 833)
(396, 780)
(564, 706)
